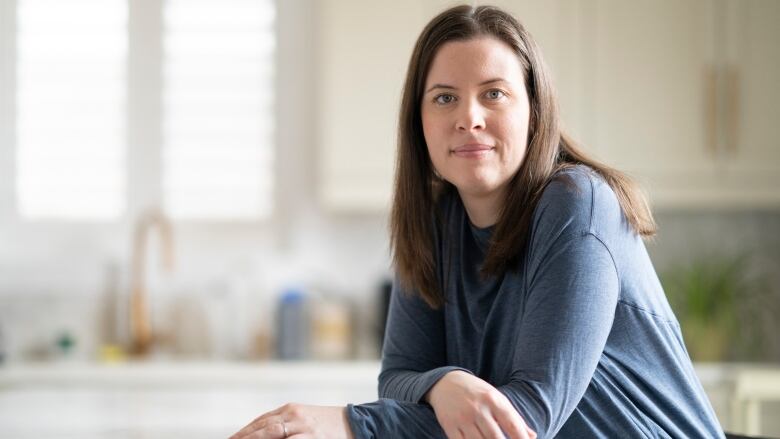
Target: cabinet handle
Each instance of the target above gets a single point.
(732, 101)
(711, 109)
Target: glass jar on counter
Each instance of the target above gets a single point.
(331, 328)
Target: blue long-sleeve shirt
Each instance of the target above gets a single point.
(581, 339)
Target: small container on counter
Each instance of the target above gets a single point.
(331, 330)
(292, 342)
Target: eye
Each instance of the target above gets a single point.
(495, 94)
(443, 99)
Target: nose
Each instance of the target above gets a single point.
(471, 116)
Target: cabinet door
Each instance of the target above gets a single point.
(362, 51)
(646, 82)
(752, 147)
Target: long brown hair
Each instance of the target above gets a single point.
(548, 151)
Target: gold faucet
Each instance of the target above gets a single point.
(140, 317)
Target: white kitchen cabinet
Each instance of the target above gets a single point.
(752, 147)
(362, 50)
(682, 98)
(647, 62)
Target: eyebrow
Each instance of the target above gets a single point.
(449, 87)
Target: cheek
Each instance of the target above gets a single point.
(515, 131)
(433, 134)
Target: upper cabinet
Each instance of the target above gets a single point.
(650, 71)
(362, 50)
(752, 97)
(681, 95)
(684, 98)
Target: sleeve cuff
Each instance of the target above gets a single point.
(430, 378)
(359, 423)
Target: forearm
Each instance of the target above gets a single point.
(409, 385)
(388, 418)
(531, 405)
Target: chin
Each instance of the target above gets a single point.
(476, 187)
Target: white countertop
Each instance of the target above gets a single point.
(204, 399)
(167, 400)
(172, 373)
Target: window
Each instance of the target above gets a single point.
(217, 108)
(70, 70)
(215, 158)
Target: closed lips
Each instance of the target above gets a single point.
(472, 149)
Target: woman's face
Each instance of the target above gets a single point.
(475, 114)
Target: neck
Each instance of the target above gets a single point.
(483, 210)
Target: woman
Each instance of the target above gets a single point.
(525, 302)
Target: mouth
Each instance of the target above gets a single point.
(472, 150)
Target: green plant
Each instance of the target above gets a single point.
(718, 303)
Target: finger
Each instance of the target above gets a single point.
(258, 424)
(513, 430)
(254, 425)
(488, 426)
(471, 431)
(451, 433)
(247, 430)
(273, 430)
(511, 422)
(274, 412)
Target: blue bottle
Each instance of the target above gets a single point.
(292, 326)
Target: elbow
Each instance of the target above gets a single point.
(534, 407)
(383, 387)
(396, 384)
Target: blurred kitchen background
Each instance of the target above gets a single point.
(195, 193)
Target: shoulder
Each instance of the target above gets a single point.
(577, 200)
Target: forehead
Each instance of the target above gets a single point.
(475, 59)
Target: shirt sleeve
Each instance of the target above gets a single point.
(414, 354)
(572, 289)
(413, 360)
(562, 333)
(388, 418)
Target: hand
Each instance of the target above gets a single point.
(469, 407)
(301, 421)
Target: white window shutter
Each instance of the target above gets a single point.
(218, 64)
(71, 82)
